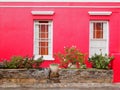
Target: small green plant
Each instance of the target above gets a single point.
(71, 56)
(17, 62)
(13, 63)
(100, 61)
(38, 62)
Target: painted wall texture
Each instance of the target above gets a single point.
(71, 25)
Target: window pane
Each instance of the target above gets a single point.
(43, 51)
(43, 37)
(43, 31)
(98, 30)
(44, 28)
(42, 44)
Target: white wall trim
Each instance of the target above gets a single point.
(100, 12)
(42, 12)
(59, 0)
(20, 6)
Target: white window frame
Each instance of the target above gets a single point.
(36, 46)
(105, 39)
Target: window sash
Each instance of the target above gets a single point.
(98, 30)
(43, 38)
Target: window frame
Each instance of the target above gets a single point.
(36, 49)
(99, 21)
(106, 36)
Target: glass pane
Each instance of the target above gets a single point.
(43, 44)
(98, 30)
(43, 37)
(43, 51)
(44, 28)
(43, 31)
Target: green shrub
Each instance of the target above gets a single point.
(100, 61)
(13, 62)
(17, 62)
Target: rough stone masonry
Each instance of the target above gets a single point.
(35, 76)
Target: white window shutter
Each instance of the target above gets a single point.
(36, 36)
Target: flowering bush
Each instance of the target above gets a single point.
(100, 61)
(71, 56)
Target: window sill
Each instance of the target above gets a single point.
(45, 57)
(98, 39)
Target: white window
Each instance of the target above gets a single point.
(43, 39)
(99, 37)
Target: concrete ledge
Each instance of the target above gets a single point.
(62, 85)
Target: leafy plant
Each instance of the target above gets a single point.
(13, 63)
(26, 62)
(22, 62)
(71, 55)
(38, 62)
(100, 61)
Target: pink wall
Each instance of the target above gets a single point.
(71, 27)
(116, 67)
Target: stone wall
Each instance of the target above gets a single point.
(86, 76)
(34, 76)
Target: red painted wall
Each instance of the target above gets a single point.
(71, 27)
